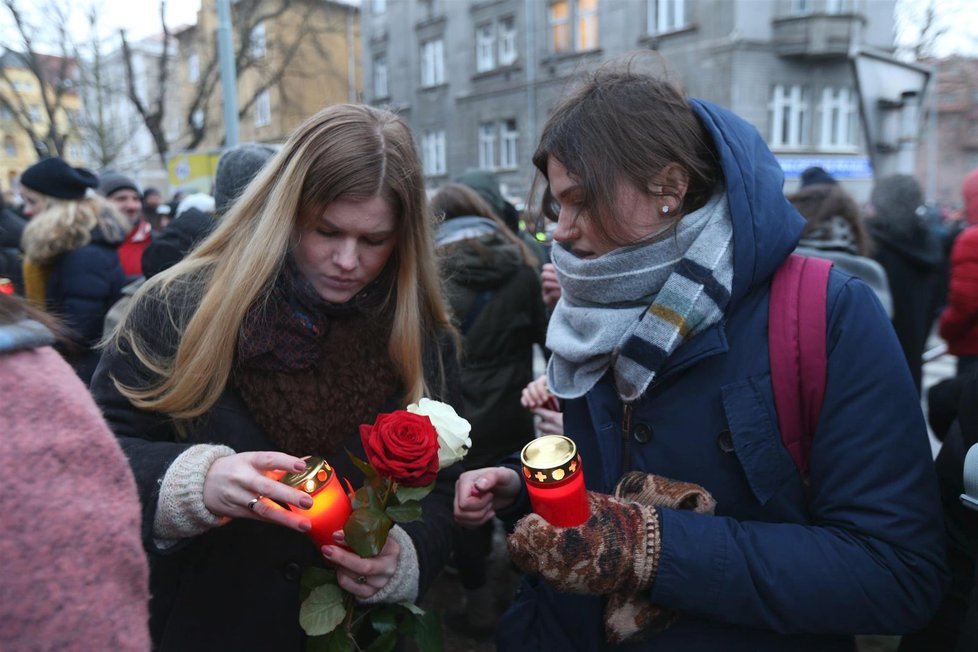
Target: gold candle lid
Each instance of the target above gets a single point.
(550, 458)
(317, 474)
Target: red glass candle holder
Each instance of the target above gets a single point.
(555, 480)
(330, 504)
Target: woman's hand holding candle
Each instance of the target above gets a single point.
(232, 482)
(479, 493)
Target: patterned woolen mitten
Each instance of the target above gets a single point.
(616, 549)
(629, 616)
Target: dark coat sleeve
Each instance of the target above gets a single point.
(873, 559)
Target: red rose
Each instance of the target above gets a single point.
(402, 446)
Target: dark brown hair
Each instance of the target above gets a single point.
(625, 125)
(821, 202)
(458, 200)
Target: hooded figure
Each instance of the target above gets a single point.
(912, 258)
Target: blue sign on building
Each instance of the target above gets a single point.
(840, 167)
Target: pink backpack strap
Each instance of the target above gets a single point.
(796, 347)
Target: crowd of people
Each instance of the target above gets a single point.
(166, 362)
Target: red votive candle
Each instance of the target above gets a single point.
(555, 480)
(330, 504)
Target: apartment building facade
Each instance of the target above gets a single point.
(476, 79)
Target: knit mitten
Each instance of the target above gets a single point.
(616, 549)
(629, 616)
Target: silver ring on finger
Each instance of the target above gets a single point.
(362, 579)
(254, 501)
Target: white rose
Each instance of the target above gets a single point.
(453, 430)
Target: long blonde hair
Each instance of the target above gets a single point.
(67, 224)
(345, 151)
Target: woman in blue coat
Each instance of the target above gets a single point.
(670, 223)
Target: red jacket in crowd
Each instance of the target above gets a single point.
(959, 321)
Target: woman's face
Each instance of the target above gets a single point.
(34, 202)
(346, 246)
(641, 214)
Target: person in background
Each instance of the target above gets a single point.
(704, 532)
(492, 286)
(71, 262)
(125, 196)
(486, 183)
(74, 572)
(235, 170)
(313, 307)
(959, 320)
(151, 206)
(907, 249)
(11, 257)
(834, 231)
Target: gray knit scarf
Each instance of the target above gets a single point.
(632, 307)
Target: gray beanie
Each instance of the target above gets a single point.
(897, 199)
(235, 170)
(112, 182)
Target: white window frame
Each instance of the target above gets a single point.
(800, 7)
(487, 145)
(433, 153)
(508, 52)
(578, 31)
(586, 22)
(197, 118)
(666, 15)
(789, 113)
(381, 80)
(263, 109)
(838, 6)
(433, 62)
(485, 47)
(838, 124)
(193, 68)
(562, 24)
(509, 150)
(257, 41)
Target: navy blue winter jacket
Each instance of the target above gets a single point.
(777, 567)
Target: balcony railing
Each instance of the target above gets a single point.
(816, 36)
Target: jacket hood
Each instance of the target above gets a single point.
(481, 263)
(766, 227)
(48, 235)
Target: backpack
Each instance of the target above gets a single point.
(796, 347)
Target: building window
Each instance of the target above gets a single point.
(263, 109)
(75, 152)
(193, 68)
(485, 47)
(197, 119)
(10, 146)
(507, 41)
(839, 119)
(380, 76)
(258, 41)
(666, 15)
(5, 114)
(788, 114)
(801, 6)
(838, 6)
(34, 112)
(487, 145)
(510, 152)
(433, 62)
(378, 6)
(573, 25)
(433, 153)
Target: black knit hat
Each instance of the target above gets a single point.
(816, 175)
(112, 182)
(55, 178)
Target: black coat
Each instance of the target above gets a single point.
(913, 263)
(11, 257)
(236, 587)
(497, 302)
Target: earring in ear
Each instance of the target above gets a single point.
(665, 209)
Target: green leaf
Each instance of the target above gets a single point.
(413, 608)
(384, 643)
(336, 641)
(365, 468)
(409, 511)
(427, 634)
(312, 577)
(383, 619)
(365, 496)
(322, 611)
(404, 494)
(366, 531)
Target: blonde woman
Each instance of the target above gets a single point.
(312, 308)
(71, 264)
